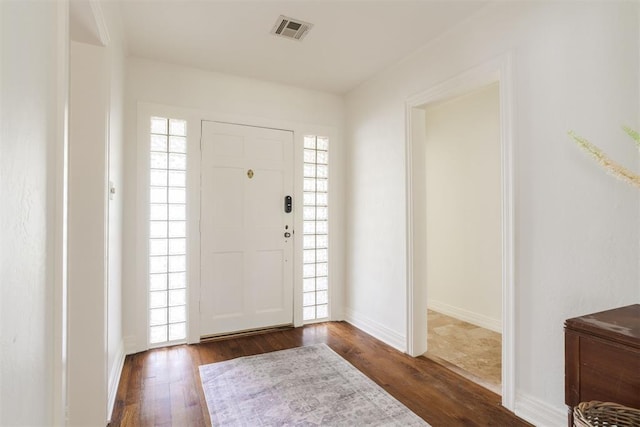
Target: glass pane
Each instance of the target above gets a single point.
(309, 199)
(177, 161)
(322, 283)
(177, 280)
(177, 127)
(177, 229)
(309, 313)
(158, 125)
(157, 247)
(322, 185)
(177, 246)
(158, 160)
(157, 264)
(157, 316)
(322, 213)
(322, 171)
(177, 144)
(177, 179)
(309, 227)
(158, 212)
(177, 297)
(157, 282)
(322, 255)
(309, 156)
(158, 334)
(177, 314)
(177, 331)
(177, 195)
(309, 242)
(322, 199)
(322, 241)
(308, 298)
(159, 143)
(177, 263)
(309, 212)
(309, 256)
(322, 143)
(323, 158)
(309, 184)
(322, 227)
(158, 195)
(309, 170)
(309, 142)
(177, 212)
(158, 177)
(309, 270)
(158, 299)
(321, 269)
(309, 285)
(321, 297)
(157, 229)
(322, 311)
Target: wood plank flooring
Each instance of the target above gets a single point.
(162, 387)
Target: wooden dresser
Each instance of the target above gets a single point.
(602, 357)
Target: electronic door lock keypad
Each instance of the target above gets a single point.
(288, 204)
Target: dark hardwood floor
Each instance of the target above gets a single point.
(162, 387)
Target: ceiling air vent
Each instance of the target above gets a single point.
(291, 28)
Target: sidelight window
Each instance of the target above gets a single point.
(167, 231)
(316, 229)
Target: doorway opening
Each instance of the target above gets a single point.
(462, 183)
(460, 234)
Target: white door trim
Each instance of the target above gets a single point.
(60, 292)
(497, 70)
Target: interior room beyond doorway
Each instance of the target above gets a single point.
(463, 233)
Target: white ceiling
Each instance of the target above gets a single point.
(351, 39)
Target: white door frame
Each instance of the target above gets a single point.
(498, 70)
(194, 117)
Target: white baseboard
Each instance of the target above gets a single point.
(130, 345)
(466, 315)
(376, 329)
(114, 379)
(539, 413)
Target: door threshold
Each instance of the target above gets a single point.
(495, 388)
(245, 333)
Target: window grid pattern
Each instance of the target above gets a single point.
(167, 231)
(316, 229)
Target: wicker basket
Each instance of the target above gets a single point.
(597, 414)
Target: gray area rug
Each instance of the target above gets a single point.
(304, 386)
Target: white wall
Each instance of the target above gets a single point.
(96, 350)
(228, 98)
(463, 226)
(575, 67)
(116, 50)
(88, 145)
(30, 106)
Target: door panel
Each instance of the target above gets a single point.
(246, 261)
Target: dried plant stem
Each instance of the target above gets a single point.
(611, 166)
(633, 134)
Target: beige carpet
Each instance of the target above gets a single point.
(304, 386)
(475, 351)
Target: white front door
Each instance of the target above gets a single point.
(246, 236)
